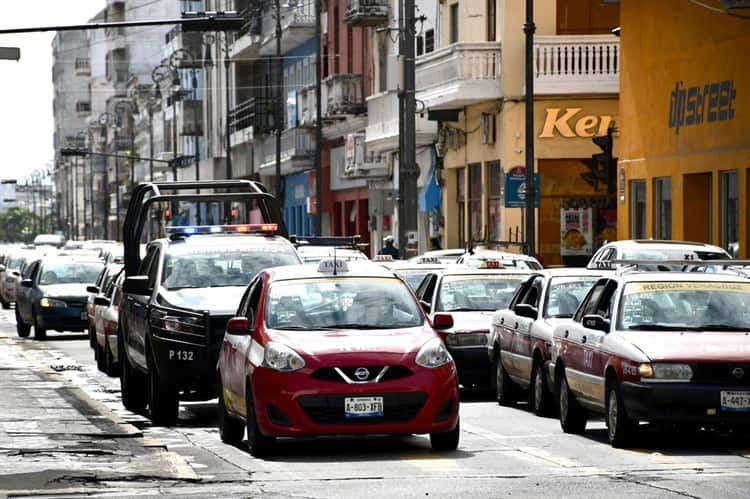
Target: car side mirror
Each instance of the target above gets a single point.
(596, 322)
(239, 326)
(442, 322)
(425, 306)
(27, 283)
(137, 285)
(2, 268)
(102, 301)
(525, 310)
(92, 289)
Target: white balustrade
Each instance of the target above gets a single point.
(576, 64)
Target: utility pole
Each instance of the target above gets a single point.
(106, 186)
(74, 180)
(529, 28)
(318, 125)
(150, 141)
(407, 173)
(227, 124)
(174, 134)
(279, 101)
(117, 187)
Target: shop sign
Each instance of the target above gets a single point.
(568, 123)
(515, 189)
(575, 231)
(695, 105)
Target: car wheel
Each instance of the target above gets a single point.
(110, 366)
(5, 304)
(39, 332)
(92, 336)
(540, 398)
(231, 429)
(163, 403)
(258, 444)
(99, 355)
(132, 384)
(620, 428)
(506, 391)
(22, 328)
(446, 441)
(572, 415)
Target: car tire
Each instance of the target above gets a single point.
(110, 366)
(99, 356)
(258, 444)
(92, 336)
(506, 391)
(163, 402)
(446, 441)
(39, 332)
(5, 304)
(132, 384)
(540, 398)
(22, 328)
(572, 416)
(620, 427)
(231, 429)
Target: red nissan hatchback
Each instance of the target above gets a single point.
(333, 349)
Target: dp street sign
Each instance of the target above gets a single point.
(515, 190)
(10, 53)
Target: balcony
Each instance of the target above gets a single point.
(176, 39)
(367, 12)
(343, 104)
(382, 124)
(251, 117)
(83, 66)
(297, 26)
(580, 64)
(459, 75)
(297, 151)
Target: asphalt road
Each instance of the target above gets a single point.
(504, 452)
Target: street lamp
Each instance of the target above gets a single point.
(84, 134)
(105, 121)
(159, 74)
(132, 108)
(175, 62)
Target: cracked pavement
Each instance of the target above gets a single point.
(63, 432)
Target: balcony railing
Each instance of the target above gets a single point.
(460, 74)
(257, 112)
(343, 95)
(296, 144)
(297, 26)
(367, 12)
(382, 123)
(579, 64)
(83, 66)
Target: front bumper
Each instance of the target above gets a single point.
(680, 403)
(474, 366)
(294, 405)
(187, 366)
(63, 319)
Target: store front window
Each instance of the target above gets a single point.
(663, 207)
(730, 212)
(496, 201)
(638, 209)
(475, 200)
(461, 200)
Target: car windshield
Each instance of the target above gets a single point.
(713, 306)
(69, 273)
(216, 267)
(565, 294)
(341, 303)
(413, 277)
(476, 292)
(15, 263)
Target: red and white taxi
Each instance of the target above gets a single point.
(330, 349)
(657, 347)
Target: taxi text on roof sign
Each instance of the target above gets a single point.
(428, 259)
(383, 258)
(333, 267)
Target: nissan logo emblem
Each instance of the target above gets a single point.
(362, 373)
(738, 372)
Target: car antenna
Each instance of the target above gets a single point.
(334, 260)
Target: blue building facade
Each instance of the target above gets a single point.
(296, 204)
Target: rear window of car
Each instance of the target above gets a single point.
(69, 273)
(477, 292)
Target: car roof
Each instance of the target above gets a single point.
(681, 277)
(467, 271)
(222, 241)
(571, 272)
(68, 259)
(664, 244)
(357, 268)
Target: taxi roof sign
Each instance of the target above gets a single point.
(428, 260)
(333, 266)
(382, 258)
(491, 264)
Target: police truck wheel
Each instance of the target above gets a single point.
(507, 391)
(231, 429)
(447, 441)
(22, 328)
(39, 332)
(163, 403)
(540, 399)
(258, 444)
(572, 415)
(132, 384)
(620, 428)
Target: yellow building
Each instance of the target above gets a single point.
(684, 146)
(474, 85)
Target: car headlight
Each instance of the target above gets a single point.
(282, 358)
(433, 354)
(458, 339)
(178, 324)
(665, 372)
(52, 303)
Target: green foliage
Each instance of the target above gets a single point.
(17, 225)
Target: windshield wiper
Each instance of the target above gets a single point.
(723, 327)
(660, 327)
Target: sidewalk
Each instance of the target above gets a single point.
(56, 439)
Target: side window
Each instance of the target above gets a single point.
(589, 304)
(154, 268)
(427, 283)
(535, 291)
(146, 262)
(34, 271)
(521, 292)
(604, 307)
(253, 300)
(429, 290)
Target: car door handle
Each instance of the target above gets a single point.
(583, 339)
(516, 326)
(566, 334)
(502, 321)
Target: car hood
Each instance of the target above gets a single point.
(472, 321)
(53, 290)
(356, 343)
(692, 346)
(220, 301)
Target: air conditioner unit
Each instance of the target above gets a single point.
(358, 163)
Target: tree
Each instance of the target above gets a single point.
(17, 225)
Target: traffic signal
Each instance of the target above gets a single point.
(602, 166)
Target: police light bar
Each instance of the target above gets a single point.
(382, 258)
(191, 230)
(333, 267)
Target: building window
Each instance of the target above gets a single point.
(496, 193)
(453, 19)
(420, 45)
(475, 200)
(429, 41)
(461, 200)
(663, 208)
(491, 20)
(83, 107)
(638, 209)
(730, 212)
